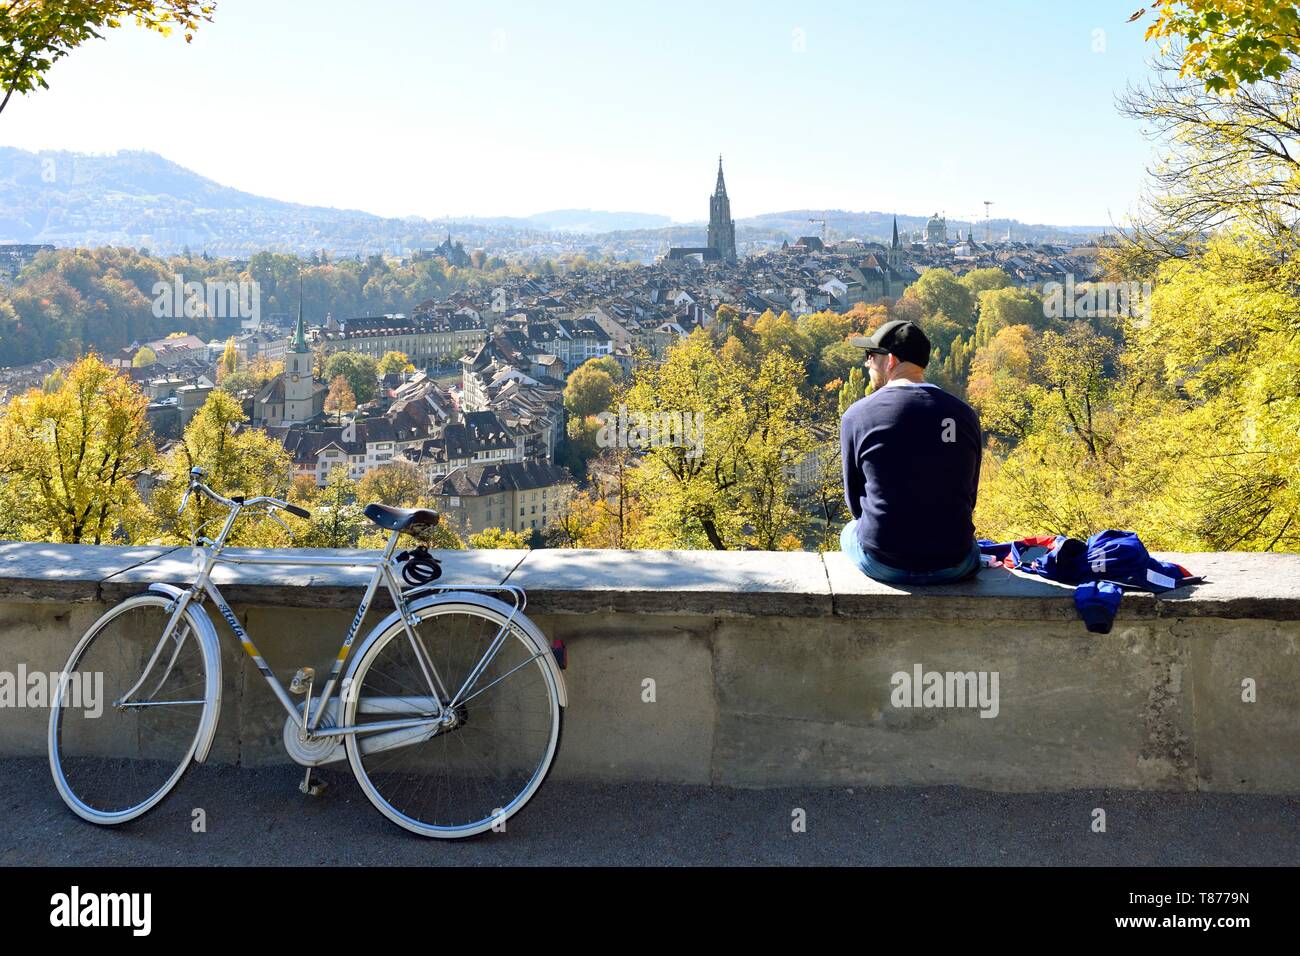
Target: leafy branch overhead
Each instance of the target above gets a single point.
(35, 34)
(1226, 43)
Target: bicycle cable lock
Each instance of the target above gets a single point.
(419, 566)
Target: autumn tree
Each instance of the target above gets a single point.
(236, 460)
(336, 516)
(497, 538)
(1225, 43)
(144, 357)
(70, 458)
(853, 389)
(731, 487)
(1222, 160)
(395, 363)
(340, 399)
(607, 514)
(228, 364)
(251, 377)
(398, 484)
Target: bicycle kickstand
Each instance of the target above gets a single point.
(309, 788)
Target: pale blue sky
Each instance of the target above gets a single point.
(404, 107)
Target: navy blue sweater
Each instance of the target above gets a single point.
(911, 472)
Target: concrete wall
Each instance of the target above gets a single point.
(775, 668)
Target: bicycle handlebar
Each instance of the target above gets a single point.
(238, 501)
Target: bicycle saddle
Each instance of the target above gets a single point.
(414, 521)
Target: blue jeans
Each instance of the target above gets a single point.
(872, 568)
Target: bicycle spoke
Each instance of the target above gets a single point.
(116, 760)
(491, 749)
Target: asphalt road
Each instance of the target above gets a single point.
(258, 817)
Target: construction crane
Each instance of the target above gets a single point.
(812, 222)
(988, 223)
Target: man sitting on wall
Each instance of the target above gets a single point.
(911, 467)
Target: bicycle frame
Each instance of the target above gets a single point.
(384, 572)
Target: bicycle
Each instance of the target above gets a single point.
(449, 712)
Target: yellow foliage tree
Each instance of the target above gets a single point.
(71, 457)
(236, 460)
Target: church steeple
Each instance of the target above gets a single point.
(894, 257)
(721, 188)
(299, 342)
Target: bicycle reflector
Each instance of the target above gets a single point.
(419, 566)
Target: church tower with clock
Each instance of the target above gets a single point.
(299, 389)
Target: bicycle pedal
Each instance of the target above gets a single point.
(302, 680)
(309, 788)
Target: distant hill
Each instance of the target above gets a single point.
(141, 199)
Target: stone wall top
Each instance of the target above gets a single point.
(727, 583)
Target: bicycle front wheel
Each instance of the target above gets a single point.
(126, 724)
(484, 759)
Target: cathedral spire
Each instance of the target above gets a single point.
(894, 242)
(722, 228)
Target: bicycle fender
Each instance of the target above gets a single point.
(211, 650)
(530, 630)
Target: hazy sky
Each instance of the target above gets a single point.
(503, 108)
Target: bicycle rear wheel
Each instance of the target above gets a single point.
(488, 756)
(112, 758)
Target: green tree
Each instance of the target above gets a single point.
(361, 371)
(984, 280)
(1002, 308)
(939, 292)
(70, 458)
(35, 34)
(589, 391)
